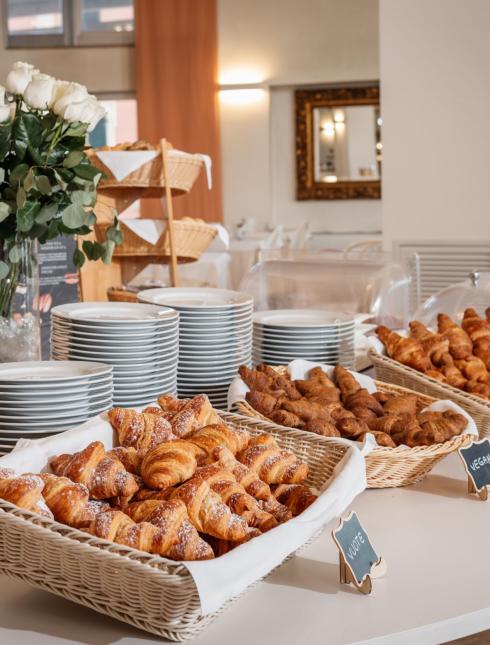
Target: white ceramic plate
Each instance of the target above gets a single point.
(46, 372)
(221, 320)
(301, 318)
(121, 335)
(194, 297)
(60, 414)
(115, 345)
(58, 394)
(108, 355)
(110, 313)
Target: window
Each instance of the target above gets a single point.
(68, 23)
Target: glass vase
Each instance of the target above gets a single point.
(19, 296)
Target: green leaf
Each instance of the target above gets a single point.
(18, 173)
(43, 185)
(109, 247)
(29, 181)
(93, 250)
(4, 270)
(73, 158)
(114, 235)
(86, 171)
(37, 231)
(47, 212)
(27, 134)
(83, 197)
(26, 216)
(76, 129)
(5, 139)
(73, 216)
(14, 254)
(78, 258)
(21, 198)
(4, 211)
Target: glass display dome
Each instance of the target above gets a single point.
(453, 300)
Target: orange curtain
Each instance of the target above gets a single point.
(176, 83)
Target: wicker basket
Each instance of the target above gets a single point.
(121, 295)
(390, 467)
(146, 591)
(391, 371)
(191, 239)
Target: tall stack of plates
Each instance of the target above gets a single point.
(215, 337)
(42, 398)
(284, 335)
(140, 341)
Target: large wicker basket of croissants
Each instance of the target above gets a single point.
(388, 465)
(451, 363)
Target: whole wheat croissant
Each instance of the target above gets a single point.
(169, 463)
(25, 491)
(288, 419)
(139, 430)
(177, 539)
(345, 381)
(295, 496)
(261, 401)
(449, 423)
(363, 404)
(208, 513)
(273, 465)
(69, 502)
(103, 475)
(460, 344)
(322, 427)
(306, 409)
(212, 436)
(407, 351)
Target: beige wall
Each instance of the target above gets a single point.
(101, 69)
(286, 44)
(435, 62)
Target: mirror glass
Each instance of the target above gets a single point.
(347, 143)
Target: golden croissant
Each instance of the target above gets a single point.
(25, 491)
(139, 430)
(169, 463)
(273, 465)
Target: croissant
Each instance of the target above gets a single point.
(117, 527)
(407, 351)
(177, 539)
(479, 389)
(129, 457)
(306, 410)
(196, 413)
(322, 427)
(363, 404)
(405, 404)
(313, 388)
(351, 427)
(434, 345)
(247, 477)
(389, 423)
(139, 430)
(169, 463)
(261, 401)
(208, 513)
(25, 491)
(481, 349)
(212, 436)
(295, 497)
(473, 368)
(346, 382)
(273, 465)
(103, 475)
(254, 379)
(439, 376)
(69, 502)
(451, 373)
(170, 404)
(416, 436)
(223, 482)
(280, 512)
(288, 419)
(460, 344)
(474, 326)
(148, 493)
(382, 438)
(448, 423)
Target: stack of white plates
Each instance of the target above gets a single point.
(42, 398)
(284, 335)
(215, 337)
(140, 341)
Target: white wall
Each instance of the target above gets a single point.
(287, 44)
(435, 85)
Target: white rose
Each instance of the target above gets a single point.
(20, 77)
(65, 94)
(39, 94)
(4, 113)
(87, 111)
(99, 114)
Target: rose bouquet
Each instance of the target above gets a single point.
(47, 183)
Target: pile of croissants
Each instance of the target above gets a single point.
(456, 355)
(181, 484)
(342, 408)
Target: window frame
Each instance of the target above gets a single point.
(72, 35)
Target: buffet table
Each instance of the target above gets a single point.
(436, 589)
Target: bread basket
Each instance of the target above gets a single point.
(149, 592)
(389, 467)
(391, 371)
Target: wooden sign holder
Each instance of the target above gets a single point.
(482, 492)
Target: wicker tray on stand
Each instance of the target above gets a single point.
(388, 467)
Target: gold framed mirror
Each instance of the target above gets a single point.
(338, 143)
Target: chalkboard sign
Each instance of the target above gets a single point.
(356, 552)
(476, 459)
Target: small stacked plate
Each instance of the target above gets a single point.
(43, 398)
(140, 341)
(284, 335)
(215, 337)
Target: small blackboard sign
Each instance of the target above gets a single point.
(356, 552)
(476, 460)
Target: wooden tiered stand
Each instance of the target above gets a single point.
(183, 241)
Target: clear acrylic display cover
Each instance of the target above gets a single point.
(351, 282)
(453, 300)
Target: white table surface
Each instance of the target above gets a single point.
(434, 537)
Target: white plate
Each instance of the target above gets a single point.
(110, 313)
(36, 427)
(302, 354)
(302, 318)
(215, 381)
(45, 372)
(302, 347)
(111, 333)
(216, 326)
(108, 355)
(59, 394)
(302, 332)
(221, 320)
(303, 338)
(144, 371)
(195, 297)
(117, 359)
(129, 344)
(60, 414)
